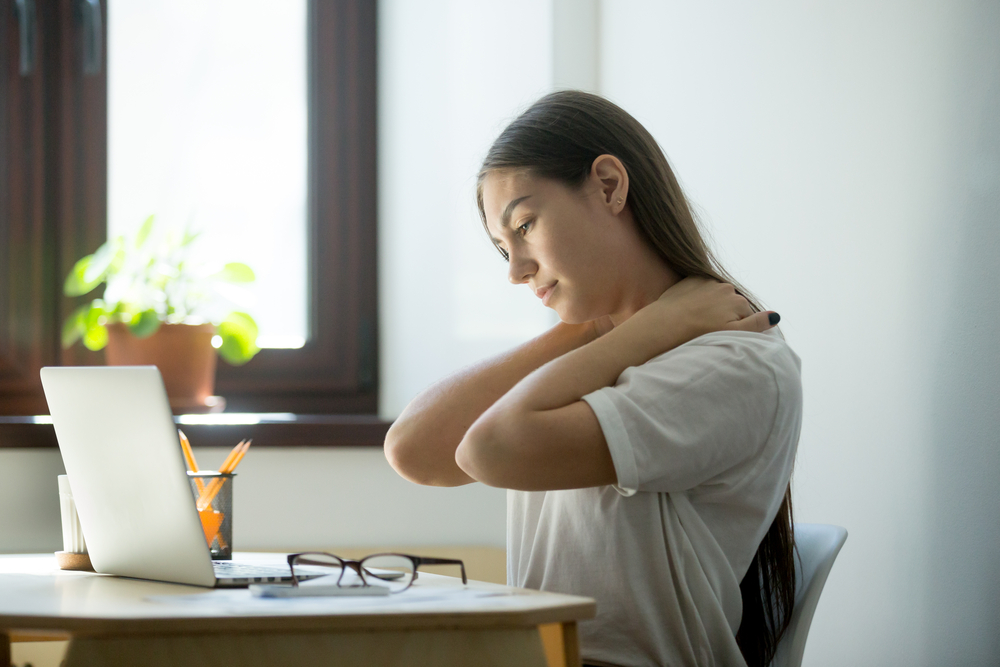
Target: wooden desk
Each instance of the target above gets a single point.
(112, 622)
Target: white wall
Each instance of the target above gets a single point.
(29, 500)
(284, 499)
(452, 73)
(846, 157)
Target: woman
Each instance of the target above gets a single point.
(648, 438)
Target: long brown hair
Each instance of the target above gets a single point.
(558, 138)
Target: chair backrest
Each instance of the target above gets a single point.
(817, 546)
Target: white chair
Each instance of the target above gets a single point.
(817, 546)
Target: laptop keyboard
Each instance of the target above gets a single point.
(230, 573)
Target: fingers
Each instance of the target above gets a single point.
(743, 307)
(758, 322)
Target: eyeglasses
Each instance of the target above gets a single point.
(397, 572)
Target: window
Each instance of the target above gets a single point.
(208, 129)
(54, 207)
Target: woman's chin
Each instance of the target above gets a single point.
(570, 316)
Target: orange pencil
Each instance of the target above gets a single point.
(192, 464)
(208, 495)
(232, 455)
(212, 488)
(239, 457)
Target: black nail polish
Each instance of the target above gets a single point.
(773, 318)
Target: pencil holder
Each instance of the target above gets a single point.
(213, 496)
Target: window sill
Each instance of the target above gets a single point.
(226, 429)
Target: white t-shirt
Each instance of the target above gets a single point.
(703, 438)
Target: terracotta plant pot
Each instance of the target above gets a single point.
(184, 355)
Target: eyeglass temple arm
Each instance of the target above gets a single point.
(442, 561)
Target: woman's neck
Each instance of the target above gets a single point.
(649, 282)
(640, 275)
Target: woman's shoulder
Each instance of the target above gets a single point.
(769, 346)
(770, 343)
(765, 357)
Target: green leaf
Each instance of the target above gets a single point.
(102, 261)
(75, 284)
(92, 270)
(95, 337)
(144, 230)
(95, 334)
(239, 338)
(236, 272)
(189, 237)
(145, 324)
(74, 326)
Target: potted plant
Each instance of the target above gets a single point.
(161, 307)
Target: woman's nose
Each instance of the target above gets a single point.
(520, 269)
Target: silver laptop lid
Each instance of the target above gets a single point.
(120, 448)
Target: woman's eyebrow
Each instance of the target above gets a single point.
(507, 212)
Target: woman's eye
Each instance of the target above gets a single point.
(523, 229)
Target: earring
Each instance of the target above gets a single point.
(619, 200)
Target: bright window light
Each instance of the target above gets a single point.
(207, 126)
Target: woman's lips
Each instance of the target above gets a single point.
(544, 293)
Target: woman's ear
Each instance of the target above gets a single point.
(610, 176)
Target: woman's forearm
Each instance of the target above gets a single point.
(689, 309)
(421, 443)
(598, 364)
(539, 435)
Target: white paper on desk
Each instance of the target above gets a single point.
(241, 602)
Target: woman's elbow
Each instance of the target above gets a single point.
(420, 458)
(485, 455)
(402, 455)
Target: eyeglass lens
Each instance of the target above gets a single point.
(387, 570)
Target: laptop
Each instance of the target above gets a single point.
(126, 468)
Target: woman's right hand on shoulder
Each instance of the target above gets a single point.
(697, 306)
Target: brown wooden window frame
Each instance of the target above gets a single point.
(53, 210)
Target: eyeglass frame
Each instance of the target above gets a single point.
(357, 567)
